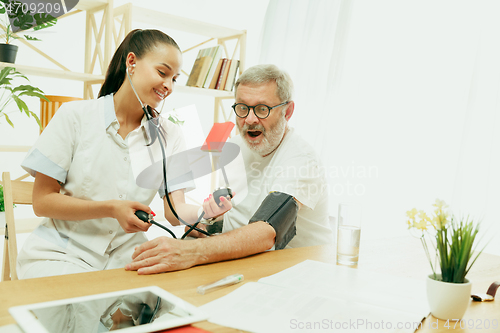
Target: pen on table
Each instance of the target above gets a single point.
(227, 281)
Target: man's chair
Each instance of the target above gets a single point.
(15, 192)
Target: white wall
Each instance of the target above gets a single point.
(418, 92)
(400, 98)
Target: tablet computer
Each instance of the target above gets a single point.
(145, 309)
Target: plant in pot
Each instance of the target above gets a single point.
(19, 17)
(10, 93)
(453, 241)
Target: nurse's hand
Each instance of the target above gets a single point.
(124, 212)
(211, 208)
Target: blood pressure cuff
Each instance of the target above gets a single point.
(280, 211)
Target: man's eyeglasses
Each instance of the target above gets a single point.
(261, 111)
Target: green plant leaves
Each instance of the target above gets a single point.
(43, 20)
(24, 16)
(455, 249)
(23, 22)
(453, 242)
(31, 38)
(2, 204)
(6, 118)
(175, 120)
(16, 93)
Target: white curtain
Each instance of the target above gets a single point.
(399, 98)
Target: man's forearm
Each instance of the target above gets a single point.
(164, 254)
(251, 239)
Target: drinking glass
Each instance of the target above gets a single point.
(348, 233)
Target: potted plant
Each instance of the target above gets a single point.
(10, 93)
(18, 17)
(453, 240)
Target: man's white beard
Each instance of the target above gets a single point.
(270, 139)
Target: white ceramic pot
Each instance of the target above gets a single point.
(447, 300)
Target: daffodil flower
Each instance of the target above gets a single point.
(440, 204)
(422, 225)
(410, 224)
(423, 216)
(412, 213)
(450, 237)
(440, 221)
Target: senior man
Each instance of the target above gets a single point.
(285, 201)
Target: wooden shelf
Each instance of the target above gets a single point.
(90, 4)
(55, 73)
(203, 91)
(60, 74)
(182, 24)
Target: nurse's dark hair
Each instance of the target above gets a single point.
(138, 41)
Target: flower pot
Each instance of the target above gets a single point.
(8, 53)
(447, 300)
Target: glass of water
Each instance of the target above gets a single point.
(348, 233)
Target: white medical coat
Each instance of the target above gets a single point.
(81, 148)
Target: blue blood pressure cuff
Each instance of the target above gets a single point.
(279, 210)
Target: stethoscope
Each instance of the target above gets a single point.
(159, 134)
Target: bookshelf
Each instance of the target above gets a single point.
(106, 27)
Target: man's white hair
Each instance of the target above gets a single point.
(261, 74)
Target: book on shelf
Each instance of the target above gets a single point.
(224, 75)
(195, 71)
(221, 73)
(231, 76)
(215, 76)
(217, 55)
(204, 67)
(199, 62)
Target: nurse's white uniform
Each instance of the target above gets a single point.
(81, 149)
